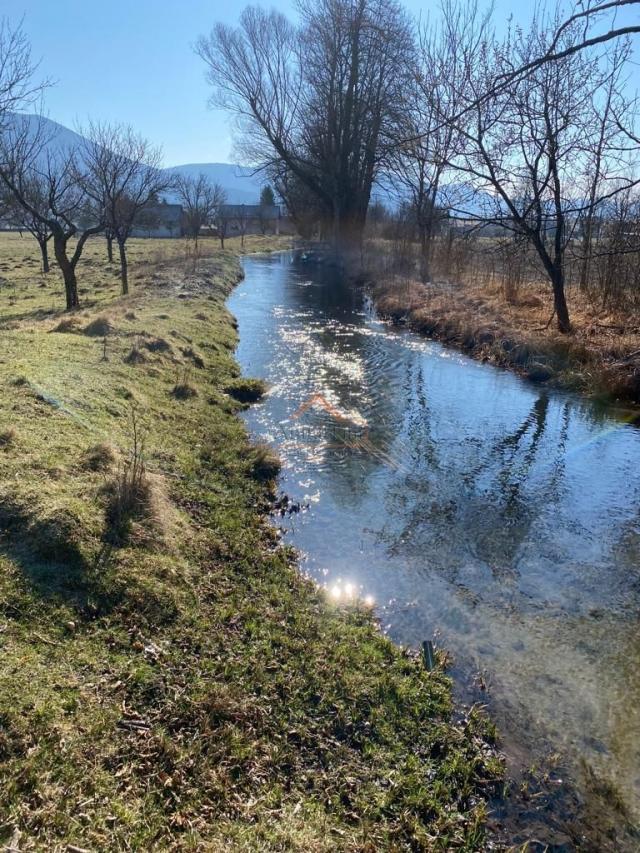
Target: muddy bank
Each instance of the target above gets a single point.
(598, 358)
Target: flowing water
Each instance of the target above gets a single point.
(470, 507)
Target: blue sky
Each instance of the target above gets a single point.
(133, 61)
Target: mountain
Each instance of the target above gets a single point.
(238, 182)
(59, 137)
(240, 185)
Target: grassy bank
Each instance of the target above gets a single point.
(169, 681)
(601, 356)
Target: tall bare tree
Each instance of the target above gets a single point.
(16, 70)
(525, 147)
(323, 98)
(121, 174)
(201, 201)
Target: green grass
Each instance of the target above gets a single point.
(179, 685)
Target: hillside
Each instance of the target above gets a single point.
(240, 185)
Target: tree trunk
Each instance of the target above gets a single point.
(222, 241)
(124, 275)
(110, 249)
(348, 230)
(425, 252)
(44, 251)
(560, 301)
(586, 253)
(68, 271)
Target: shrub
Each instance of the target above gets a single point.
(246, 390)
(265, 464)
(129, 492)
(98, 328)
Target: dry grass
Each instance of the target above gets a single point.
(99, 457)
(599, 356)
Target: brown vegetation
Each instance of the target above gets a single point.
(601, 355)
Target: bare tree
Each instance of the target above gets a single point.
(607, 160)
(201, 200)
(221, 223)
(36, 189)
(323, 98)
(241, 219)
(16, 70)
(43, 179)
(524, 149)
(121, 174)
(429, 145)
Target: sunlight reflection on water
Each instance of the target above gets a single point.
(498, 516)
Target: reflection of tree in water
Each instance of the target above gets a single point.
(510, 506)
(455, 507)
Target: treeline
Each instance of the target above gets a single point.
(530, 130)
(110, 183)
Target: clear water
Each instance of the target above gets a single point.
(473, 508)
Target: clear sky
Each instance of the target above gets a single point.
(133, 61)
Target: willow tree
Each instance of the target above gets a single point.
(322, 99)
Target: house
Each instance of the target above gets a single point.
(159, 220)
(251, 218)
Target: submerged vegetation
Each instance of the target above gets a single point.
(169, 680)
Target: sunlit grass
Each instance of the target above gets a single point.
(178, 685)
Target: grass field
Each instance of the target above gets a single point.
(168, 680)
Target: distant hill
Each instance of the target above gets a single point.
(60, 136)
(241, 186)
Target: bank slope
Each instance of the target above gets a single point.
(169, 681)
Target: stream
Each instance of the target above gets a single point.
(467, 506)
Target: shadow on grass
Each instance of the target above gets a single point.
(48, 552)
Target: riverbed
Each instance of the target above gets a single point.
(466, 506)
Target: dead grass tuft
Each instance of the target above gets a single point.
(8, 437)
(246, 390)
(158, 345)
(184, 390)
(99, 457)
(265, 463)
(193, 356)
(135, 356)
(67, 326)
(99, 327)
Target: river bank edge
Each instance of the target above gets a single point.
(557, 361)
(172, 671)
